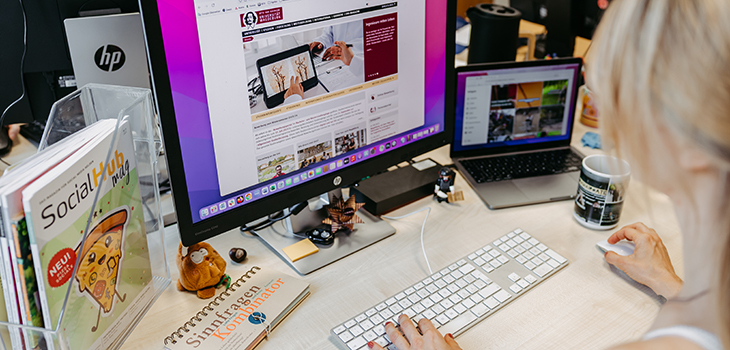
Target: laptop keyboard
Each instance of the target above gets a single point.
(522, 165)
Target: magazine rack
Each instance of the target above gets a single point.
(72, 113)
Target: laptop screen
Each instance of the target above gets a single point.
(514, 106)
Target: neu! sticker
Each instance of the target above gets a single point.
(61, 267)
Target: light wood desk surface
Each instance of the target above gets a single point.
(587, 305)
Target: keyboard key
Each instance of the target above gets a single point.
(559, 258)
(361, 317)
(427, 303)
(414, 298)
(438, 309)
(528, 255)
(489, 290)
(371, 312)
(553, 263)
(369, 335)
(544, 257)
(400, 296)
(461, 283)
(386, 314)
(411, 290)
(521, 259)
(418, 308)
(438, 285)
(346, 337)
(469, 290)
(472, 256)
(511, 243)
(530, 265)
(469, 278)
(495, 263)
(455, 298)
(513, 277)
(511, 234)
(533, 241)
(479, 309)
(476, 298)
(542, 270)
(350, 323)
(381, 307)
(504, 247)
(451, 313)
(459, 309)
(526, 245)
(513, 253)
(502, 296)
(449, 279)
(443, 319)
(531, 278)
(436, 298)
(429, 314)
(391, 301)
(535, 251)
(468, 303)
(494, 253)
(525, 236)
(479, 261)
(515, 288)
(518, 239)
(409, 312)
(536, 261)
(503, 259)
(479, 284)
(457, 274)
(542, 247)
(519, 249)
(423, 293)
(381, 341)
(466, 269)
(453, 267)
(461, 262)
(357, 343)
(377, 319)
(396, 309)
(339, 329)
(488, 268)
(491, 303)
(356, 330)
(522, 283)
(458, 323)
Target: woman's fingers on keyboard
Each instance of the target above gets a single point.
(396, 337)
(408, 328)
(425, 325)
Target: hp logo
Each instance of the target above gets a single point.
(337, 181)
(109, 58)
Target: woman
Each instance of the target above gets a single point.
(660, 75)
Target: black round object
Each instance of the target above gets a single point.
(495, 31)
(237, 254)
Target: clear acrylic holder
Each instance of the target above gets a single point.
(72, 113)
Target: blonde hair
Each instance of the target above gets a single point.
(660, 72)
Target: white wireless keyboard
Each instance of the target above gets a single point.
(462, 294)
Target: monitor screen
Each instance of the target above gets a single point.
(262, 98)
(508, 107)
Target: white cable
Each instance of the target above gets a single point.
(22, 60)
(423, 226)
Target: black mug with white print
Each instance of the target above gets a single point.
(601, 190)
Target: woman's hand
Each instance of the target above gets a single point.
(409, 338)
(649, 264)
(295, 88)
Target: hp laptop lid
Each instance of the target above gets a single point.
(108, 50)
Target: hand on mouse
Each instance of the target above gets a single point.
(409, 338)
(649, 264)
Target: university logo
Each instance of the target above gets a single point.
(109, 58)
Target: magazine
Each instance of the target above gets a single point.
(19, 283)
(243, 315)
(113, 280)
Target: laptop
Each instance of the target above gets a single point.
(108, 50)
(512, 131)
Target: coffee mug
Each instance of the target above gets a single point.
(601, 190)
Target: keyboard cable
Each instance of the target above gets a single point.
(423, 226)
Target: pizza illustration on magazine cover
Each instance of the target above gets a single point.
(101, 259)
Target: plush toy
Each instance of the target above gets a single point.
(202, 269)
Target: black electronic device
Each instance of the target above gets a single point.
(392, 189)
(276, 71)
(321, 235)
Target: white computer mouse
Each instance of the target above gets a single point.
(621, 247)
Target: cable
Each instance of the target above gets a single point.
(423, 226)
(22, 63)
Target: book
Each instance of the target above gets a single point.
(88, 209)
(242, 315)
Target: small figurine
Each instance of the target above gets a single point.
(342, 214)
(444, 185)
(202, 269)
(237, 254)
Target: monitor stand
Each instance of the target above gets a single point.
(279, 236)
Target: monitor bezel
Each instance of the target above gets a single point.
(191, 233)
(518, 148)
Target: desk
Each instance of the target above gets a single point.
(587, 305)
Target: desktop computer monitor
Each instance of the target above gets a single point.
(265, 104)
